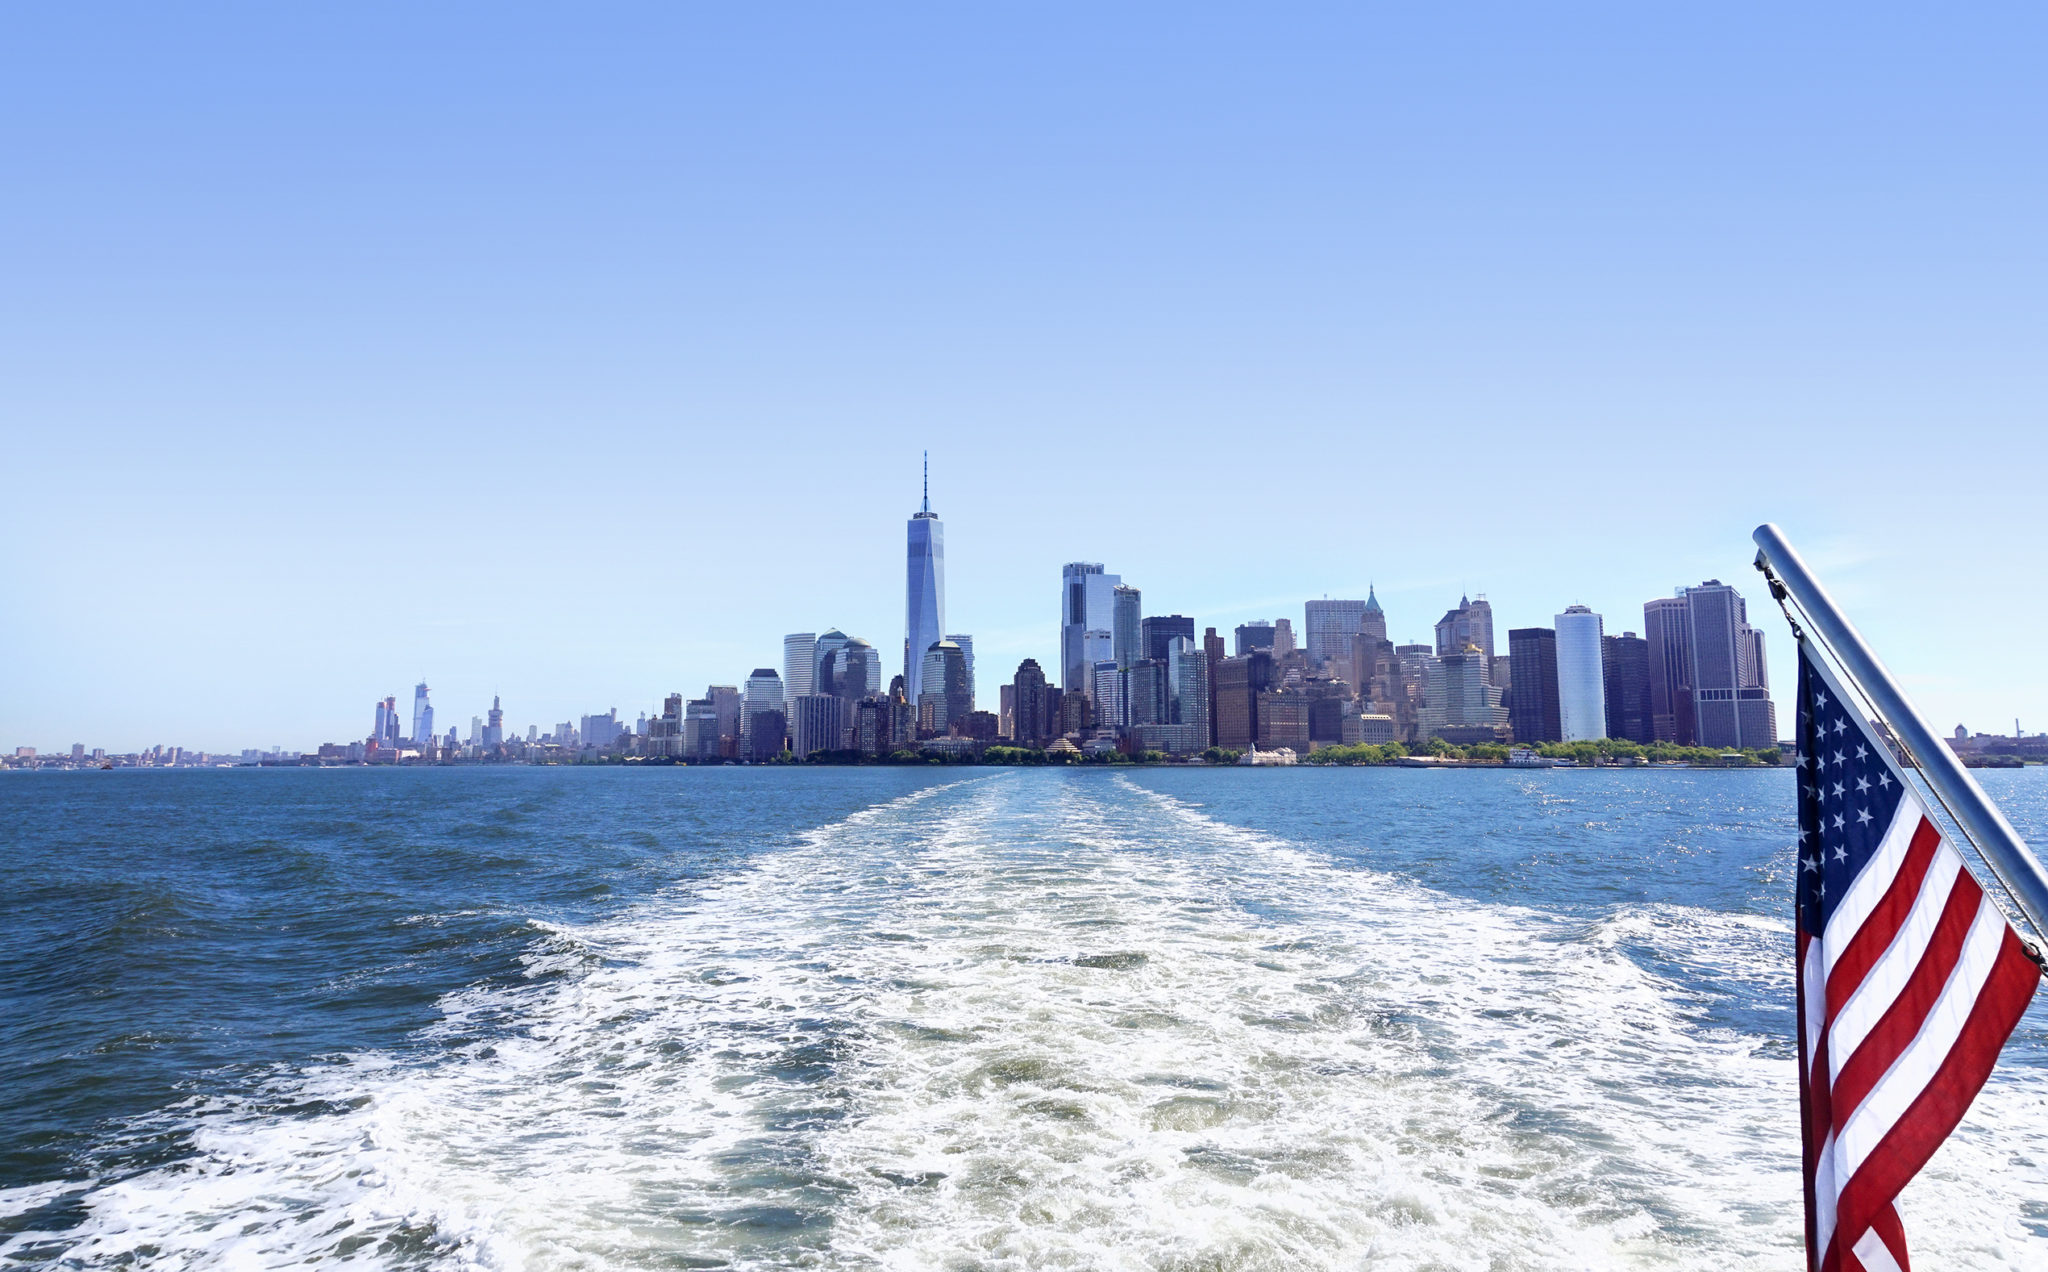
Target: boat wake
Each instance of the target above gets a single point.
(1049, 1020)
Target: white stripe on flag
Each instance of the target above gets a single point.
(1924, 1056)
(1816, 1004)
(1880, 988)
(1824, 1194)
(1874, 1254)
(1846, 916)
(1816, 1008)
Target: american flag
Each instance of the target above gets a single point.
(1910, 980)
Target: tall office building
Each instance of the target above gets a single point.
(1087, 606)
(1730, 683)
(1257, 634)
(799, 665)
(422, 716)
(1188, 685)
(1239, 682)
(1329, 626)
(700, 730)
(1469, 624)
(966, 644)
(1283, 637)
(924, 598)
(1031, 722)
(1372, 667)
(602, 731)
(1375, 621)
(1532, 662)
(764, 717)
(819, 724)
(1213, 653)
(1461, 691)
(729, 706)
(1581, 676)
(853, 671)
(385, 731)
(1625, 661)
(1667, 627)
(1145, 694)
(1410, 685)
(1156, 633)
(826, 660)
(1107, 689)
(947, 697)
(1127, 612)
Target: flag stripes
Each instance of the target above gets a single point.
(1909, 982)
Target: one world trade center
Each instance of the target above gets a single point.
(924, 609)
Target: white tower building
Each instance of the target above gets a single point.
(799, 665)
(1581, 684)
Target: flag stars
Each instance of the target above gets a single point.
(1841, 726)
(1884, 780)
(1839, 792)
(1862, 752)
(1863, 816)
(1838, 758)
(1862, 785)
(1841, 853)
(1840, 822)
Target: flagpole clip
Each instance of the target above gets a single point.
(1779, 593)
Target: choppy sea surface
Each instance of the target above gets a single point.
(902, 1019)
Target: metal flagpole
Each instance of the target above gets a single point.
(1995, 839)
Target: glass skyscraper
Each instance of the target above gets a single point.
(1330, 627)
(924, 599)
(799, 666)
(1087, 606)
(1126, 624)
(966, 644)
(1731, 699)
(1581, 676)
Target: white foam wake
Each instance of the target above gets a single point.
(1053, 1020)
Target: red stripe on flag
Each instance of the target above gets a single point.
(1893, 1233)
(1884, 921)
(1929, 1119)
(1901, 1022)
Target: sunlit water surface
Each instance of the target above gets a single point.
(1176, 1019)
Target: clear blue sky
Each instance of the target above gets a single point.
(578, 354)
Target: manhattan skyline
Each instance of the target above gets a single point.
(314, 386)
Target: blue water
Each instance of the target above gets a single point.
(928, 1018)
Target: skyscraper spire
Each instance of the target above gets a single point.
(924, 616)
